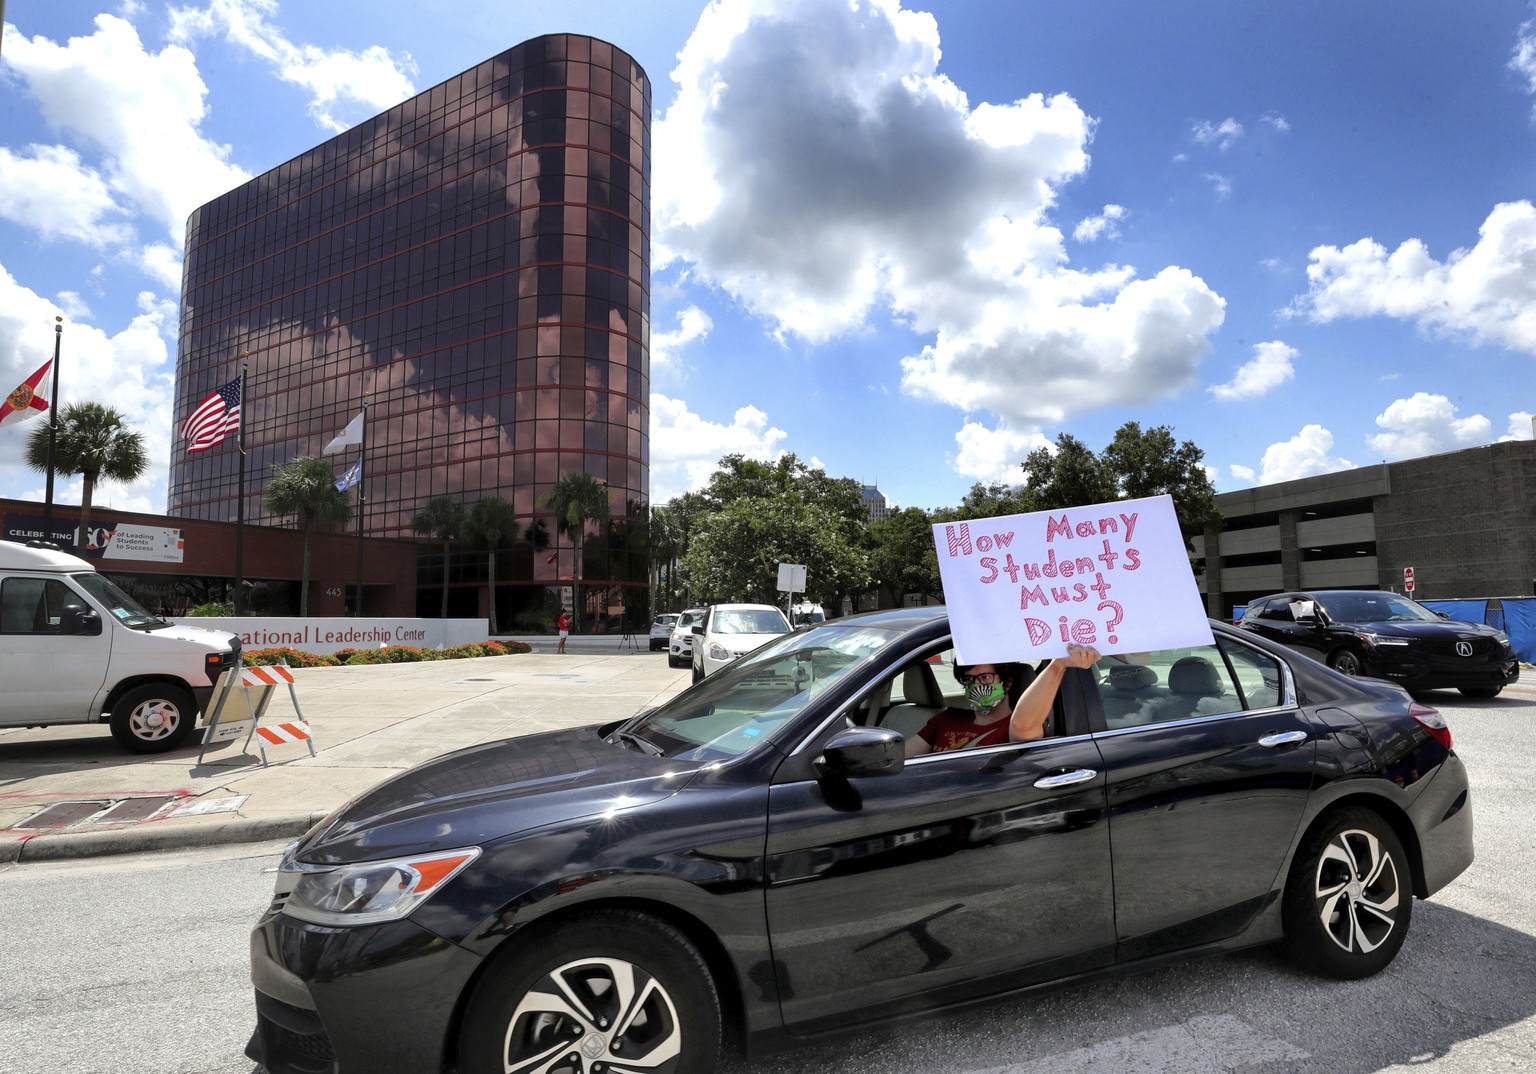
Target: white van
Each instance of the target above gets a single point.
(74, 648)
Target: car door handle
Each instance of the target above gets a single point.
(1283, 738)
(1065, 779)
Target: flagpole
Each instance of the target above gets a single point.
(245, 361)
(53, 433)
(362, 473)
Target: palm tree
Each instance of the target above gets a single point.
(577, 499)
(491, 524)
(93, 441)
(306, 487)
(443, 517)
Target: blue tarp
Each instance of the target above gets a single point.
(1516, 616)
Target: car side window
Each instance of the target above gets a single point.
(1278, 611)
(33, 605)
(1136, 689)
(910, 696)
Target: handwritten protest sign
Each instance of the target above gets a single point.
(1113, 575)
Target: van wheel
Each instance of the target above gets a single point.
(153, 718)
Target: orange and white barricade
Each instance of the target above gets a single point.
(257, 684)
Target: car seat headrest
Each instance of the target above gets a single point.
(1194, 675)
(1131, 677)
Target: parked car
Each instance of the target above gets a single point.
(680, 645)
(730, 631)
(756, 854)
(661, 630)
(74, 648)
(1387, 636)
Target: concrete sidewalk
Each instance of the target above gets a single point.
(369, 723)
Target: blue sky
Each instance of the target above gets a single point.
(909, 243)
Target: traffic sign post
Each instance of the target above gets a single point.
(1408, 579)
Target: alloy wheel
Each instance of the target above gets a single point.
(1357, 891)
(591, 1015)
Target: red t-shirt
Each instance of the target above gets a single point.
(565, 624)
(954, 729)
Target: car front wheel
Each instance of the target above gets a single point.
(1481, 691)
(616, 990)
(1347, 661)
(153, 718)
(1349, 898)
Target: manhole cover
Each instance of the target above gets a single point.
(63, 814)
(132, 809)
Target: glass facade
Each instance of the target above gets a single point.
(475, 265)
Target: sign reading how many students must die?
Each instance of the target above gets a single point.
(1112, 575)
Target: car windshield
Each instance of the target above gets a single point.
(749, 621)
(124, 608)
(746, 703)
(1372, 607)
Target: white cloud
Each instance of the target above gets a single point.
(990, 455)
(129, 370)
(1242, 473)
(1303, 455)
(1269, 368)
(1426, 424)
(343, 85)
(1487, 292)
(1105, 225)
(1276, 121)
(685, 448)
(75, 308)
(108, 90)
(49, 190)
(1222, 135)
(1520, 427)
(818, 167)
(1522, 59)
(162, 262)
(692, 324)
(1221, 184)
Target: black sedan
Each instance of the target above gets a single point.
(1371, 632)
(755, 861)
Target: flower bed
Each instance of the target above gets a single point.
(392, 654)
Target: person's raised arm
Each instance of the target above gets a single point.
(1034, 707)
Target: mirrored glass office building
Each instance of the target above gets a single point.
(474, 264)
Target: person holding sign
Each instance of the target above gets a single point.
(991, 721)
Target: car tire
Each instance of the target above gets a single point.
(573, 981)
(154, 718)
(1481, 691)
(1349, 897)
(698, 673)
(1348, 662)
(673, 662)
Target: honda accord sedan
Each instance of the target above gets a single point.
(755, 862)
(1371, 632)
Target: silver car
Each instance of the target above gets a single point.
(661, 630)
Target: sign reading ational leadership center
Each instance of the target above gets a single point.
(1114, 575)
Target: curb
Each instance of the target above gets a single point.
(64, 846)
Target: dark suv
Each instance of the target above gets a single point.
(1386, 636)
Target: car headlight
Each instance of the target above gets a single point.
(720, 652)
(370, 891)
(1381, 639)
(1501, 637)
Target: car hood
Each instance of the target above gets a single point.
(741, 643)
(1449, 629)
(488, 792)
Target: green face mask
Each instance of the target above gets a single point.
(984, 696)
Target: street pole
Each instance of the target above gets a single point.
(362, 476)
(245, 361)
(53, 432)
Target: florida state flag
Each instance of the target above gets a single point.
(24, 402)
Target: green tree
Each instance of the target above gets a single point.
(1070, 476)
(306, 487)
(666, 538)
(902, 558)
(736, 552)
(1151, 463)
(576, 500)
(442, 518)
(492, 524)
(989, 501)
(94, 441)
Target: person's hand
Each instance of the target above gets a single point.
(1081, 656)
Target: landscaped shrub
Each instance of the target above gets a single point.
(294, 658)
(392, 654)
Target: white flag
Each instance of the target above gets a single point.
(352, 434)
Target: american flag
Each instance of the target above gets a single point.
(215, 417)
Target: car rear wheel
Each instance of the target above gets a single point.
(1481, 691)
(153, 718)
(698, 673)
(613, 990)
(1347, 661)
(1349, 897)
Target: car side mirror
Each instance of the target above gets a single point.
(1443, 615)
(863, 751)
(698, 629)
(77, 620)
